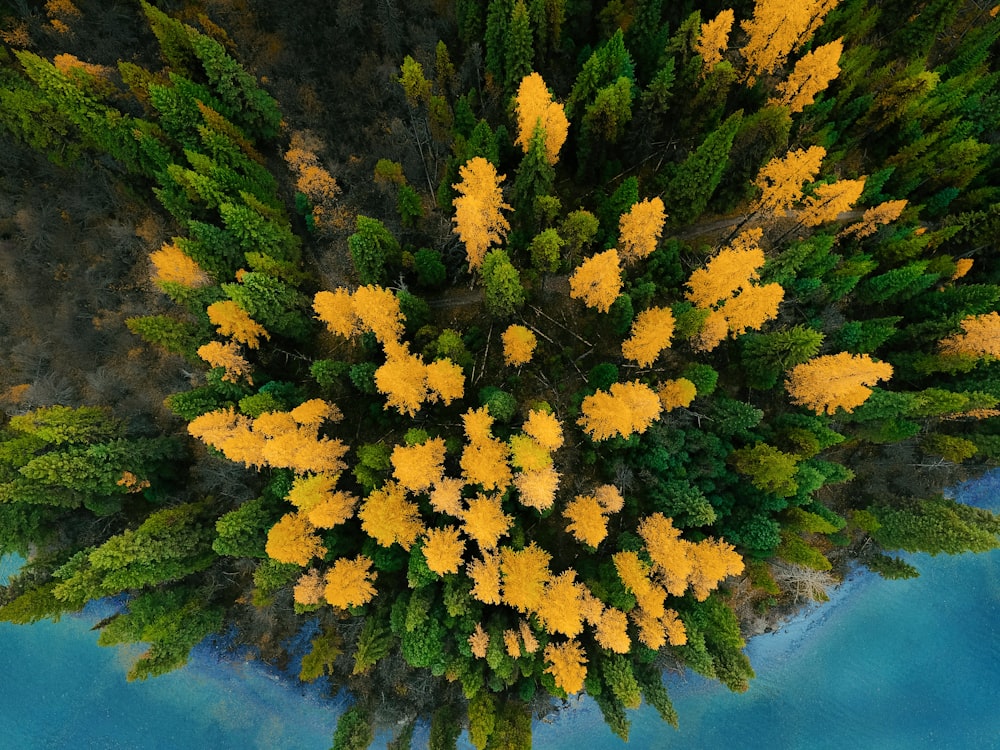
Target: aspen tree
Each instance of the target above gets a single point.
(676, 393)
(537, 488)
(350, 583)
(445, 381)
(882, 214)
(729, 270)
(812, 74)
(294, 540)
(713, 40)
(776, 29)
(417, 467)
(561, 606)
(228, 357)
(403, 379)
(173, 265)
(485, 575)
(545, 428)
(478, 220)
(588, 523)
(611, 631)
(623, 410)
(597, 281)
(388, 517)
(485, 522)
(518, 345)
(830, 200)
(535, 107)
(336, 309)
(650, 335)
(479, 642)
(834, 381)
(639, 229)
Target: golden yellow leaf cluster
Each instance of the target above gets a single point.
(567, 664)
(782, 178)
(713, 40)
(588, 521)
(624, 409)
(598, 280)
(812, 74)
(980, 337)
(417, 467)
(233, 321)
(834, 381)
(478, 221)
(525, 573)
(518, 345)
(880, 215)
(650, 335)
(173, 265)
(294, 540)
(485, 522)
(350, 583)
(830, 200)
(676, 393)
(484, 573)
(443, 550)
(639, 229)
(777, 28)
(388, 517)
(227, 356)
(535, 108)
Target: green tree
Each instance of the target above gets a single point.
(501, 285)
(693, 181)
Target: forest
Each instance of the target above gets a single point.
(516, 349)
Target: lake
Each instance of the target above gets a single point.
(889, 664)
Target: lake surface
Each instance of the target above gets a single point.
(887, 664)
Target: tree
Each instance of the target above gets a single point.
(776, 29)
(173, 265)
(884, 213)
(228, 357)
(388, 517)
(518, 345)
(545, 428)
(373, 249)
(834, 381)
(233, 321)
(518, 49)
(781, 179)
(524, 573)
(350, 583)
(812, 74)
(443, 549)
(830, 200)
(403, 379)
(624, 409)
(485, 522)
(597, 281)
(713, 40)
(567, 665)
(534, 107)
(650, 335)
(561, 607)
(478, 221)
(694, 180)
(980, 338)
(679, 392)
(640, 229)
(588, 523)
(769, 469)
(417, 467)
(729, 270)
(294, 540)
(354, 730)
(501, 284)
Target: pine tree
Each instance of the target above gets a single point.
(694, 180)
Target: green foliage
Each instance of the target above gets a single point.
(692, 183)
(326, 647)
(445, 728)
(504, 294)
(430, 269)
(243, 532)
(354, 730)
(327, 372)
(375, 252)
(936, 525)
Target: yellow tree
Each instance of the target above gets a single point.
(518, 345)
(812, 74)
(598, 280)
(309, 588)
(544, 427)
(639, 229)
(443, 550)
(609, 497)
(880, 215)
(634, 574)
(379, 312)
(387, 517)
(478, 221)
(980, 337)
(676, 393)
(782, 178)
(650, 335)
(445, 381)
(611, 631)
(777, 28)
(479, 641)
(834, 381)
(486, 462)
(729, 270)
(588, 522)
(402, 378)
(567, 664)
(561, 606)
(625, 409)
(537, 488)
(535, 107)
(350, 583)
(668, 551)
(417, 467)
(173, 265)
(233, 321)
(831, 200)
(336, 309)
(333, 510)
(228, 357)
(527, 454)
(712, 561)
(525, 574)
(446, 497)
(485, 575)
(713, 40)
(294, 540)
(485, 522)
(752, 307)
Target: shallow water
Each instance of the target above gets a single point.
(889, 664)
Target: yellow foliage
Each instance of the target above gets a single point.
(537, 489)
(566, 665)
(812, 74)
(309, 588)
(518, 345)
(478, 221)
(485, 576)
(350, 583)
(301, 451)
(674, 628)
(379, 312)
(639, 229)
(403, 380)
(588, 524)
(525, 574)
(234, 322)
(310, 491)
(527, 454)
(711, 561)
(317, 184)
(598, 280)
(512, 642)
(478, 423)
(634, 574)
(962, 266)
(544, 427)
(527, 637)
(443, 550)
(445, 381)
(752, 307)
(336, 309)
(626, 409)
(732, 268)
(778, 27)
(333, 510)
(479, 641)
(611, 631)
(668, 551)
(387, 516)
(834, 381)
(830, 200)
(650, 335)
(880, 215)
(485, 522)
(228, 357)
(171, 264)
(676, 393)
(417, 467)
(561, 606)
(294, 540)
(446, 497)
(713, 40)
(535, 107)
(485, 462)
(713, 331)
(781, 179)
(609, 497)
(980, 337)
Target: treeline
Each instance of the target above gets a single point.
(640, 295)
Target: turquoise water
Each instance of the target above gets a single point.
(889, 664)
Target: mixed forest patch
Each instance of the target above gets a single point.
(528, 347)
